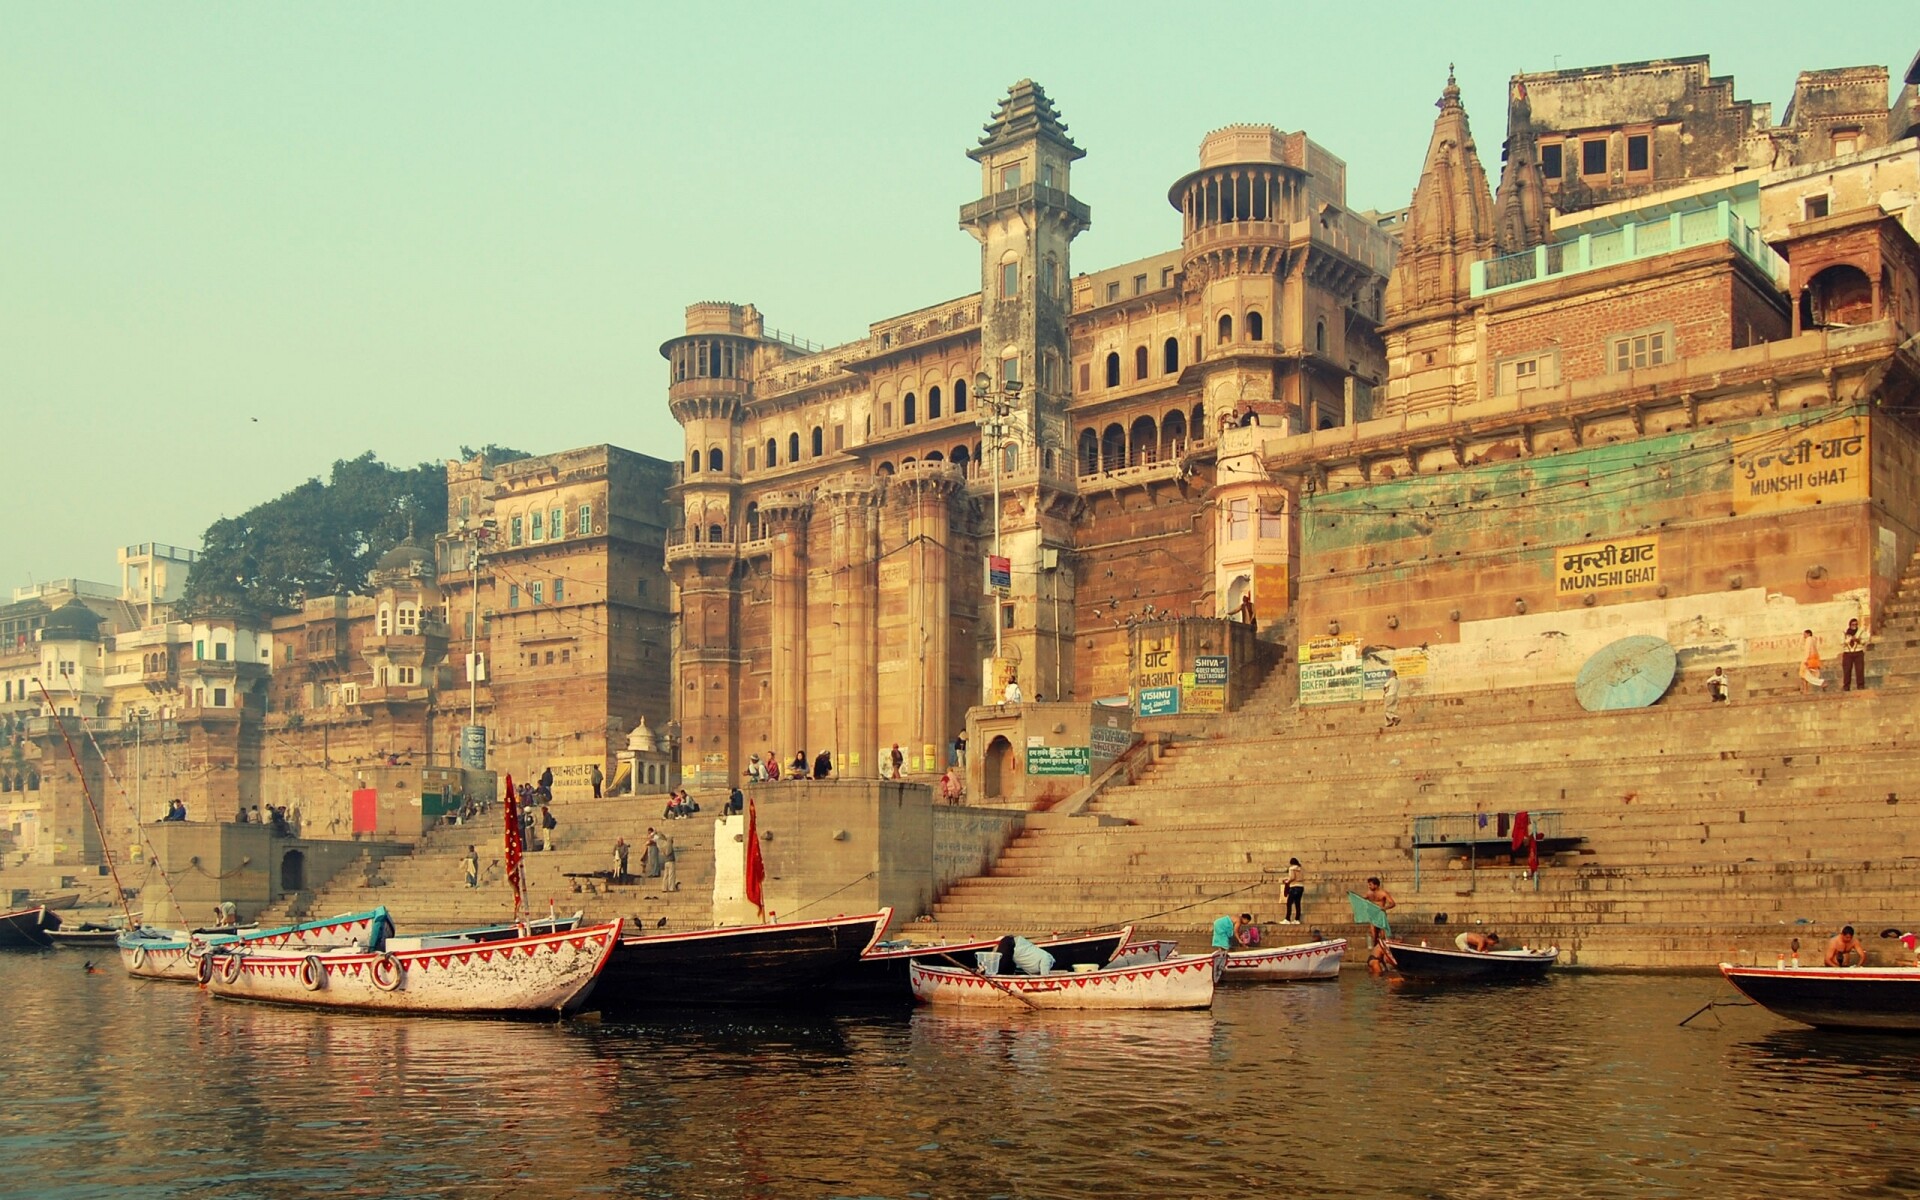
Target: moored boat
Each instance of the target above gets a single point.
(543, 972)
(881, 976)
(1885, 998)
(176, 954)
(1282, 964)
(1183, 981)
(1448, 963)
(85, 934)
(27, 928)
(746, 964)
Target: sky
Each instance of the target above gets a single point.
(241, 241)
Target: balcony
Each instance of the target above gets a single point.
(681, 548)
(1633, 240)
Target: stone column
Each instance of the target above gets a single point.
(927, 496)
(786, 516)
(855, 507)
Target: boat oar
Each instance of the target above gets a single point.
(1014, 992)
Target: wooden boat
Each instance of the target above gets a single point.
(747, 964)
(1448, 963)
(1834, 997)
(1307, 961)
(86, 935)
(543, 972)
(178, 954)
(880, 975)
(1183, 981)
(27, 928)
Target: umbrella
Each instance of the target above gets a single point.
(1630, 673)
(1366, 912)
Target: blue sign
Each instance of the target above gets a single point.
(473, 747)
(1159, 702)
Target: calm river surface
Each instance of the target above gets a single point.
(1581, 1086)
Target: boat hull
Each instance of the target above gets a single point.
(550, 972)
(27, 928)
(1286, 964)
(882, 976)
(1183, 981)
(1880, 998)
(1441, 963)
(750, 964)
(177, 957)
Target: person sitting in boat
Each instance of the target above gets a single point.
(1018, 956)
(1845, 950)
(1479, 943)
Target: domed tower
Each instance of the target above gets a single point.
(409, 639)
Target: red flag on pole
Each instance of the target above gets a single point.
(515, 844)
(756, 865)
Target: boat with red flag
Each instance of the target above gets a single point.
(450, 975)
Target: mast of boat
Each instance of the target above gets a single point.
(79, 772)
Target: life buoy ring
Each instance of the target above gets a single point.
(313, 973)
(197, 950)
(139, 957)
(386, 972)
(229, 968)
(203, 967)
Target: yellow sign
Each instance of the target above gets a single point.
(1821, 464)
(1410, 663)
(1329, 649)
(1156, 666)
(1203, 698)
(1269, 591)
(1606, 566)
(573, 777)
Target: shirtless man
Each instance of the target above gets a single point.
(1378, 894)
(1480, 943)
(1845, 950)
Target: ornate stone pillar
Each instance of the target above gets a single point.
(854, 506)
(786, 515)
(926, 493)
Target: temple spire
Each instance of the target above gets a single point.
(1520, 206)
(1450, 222)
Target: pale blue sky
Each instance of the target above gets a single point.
(404, 227)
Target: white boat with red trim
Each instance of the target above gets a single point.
(176, 954)
(448, 975)
(1183, 981)
(1287, 964)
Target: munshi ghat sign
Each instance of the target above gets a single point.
(1820, 464)
(1606, 566)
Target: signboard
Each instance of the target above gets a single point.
(1606, 566)
(1159, 701)
(1329, 649)
(473, 747)
(1269, 591)
(1332, 682)
(1108, 743)
(1210, 670)
(1155, 667)
(1204, 698)
(999, 573)
(573, 777)
(1789, 469)
(1059, 760)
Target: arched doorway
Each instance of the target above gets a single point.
(1840, 295)
(1236, 592)
(998, 768)
(293, 871)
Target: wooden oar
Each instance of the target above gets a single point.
(977, 973)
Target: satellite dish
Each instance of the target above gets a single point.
(1630, 673)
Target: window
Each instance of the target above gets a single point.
(693, 462)
(539, 524)
(1009, 279)
(1593, 157)
(1046, 174)
(559, 591)
(715, 460)
(1816, 207)
(1256, 327)
(199, 650)
(773, 454)
(1237, 520)
(1113, 291)
(1638, 153)
(536, 592)
(219, 652)
(466, 507)
(586, 520)
(405, 675)
(1010, 177)
(566, 656)
(1845, 141)
(933, 403)
(1226, 328)
(1272, 524)
(513, 595)
(514, 536)
(409, 619)
(1637, 350)
(1139, 362)
(1113, 370)
(556, 523)
(219, 697)
(1320, 336)
(1006, 616)
(1526, 372)
(793, 447)
(549, 658)
(959, 396)
(1550, 160)
(909, 409)
(1166, 277)
(1050, 277)
(1139, 285)
(1170, 356)
(819, 441)
(1010, 369)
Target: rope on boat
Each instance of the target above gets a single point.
(830, 895)
(1167, 912)
(1710, 1005)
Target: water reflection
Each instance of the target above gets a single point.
(1581, 1086)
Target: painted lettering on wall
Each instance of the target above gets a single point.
(1606, 566)
(1820, 464)
(1156, 666)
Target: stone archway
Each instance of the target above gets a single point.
(293, 871)
(997, 768)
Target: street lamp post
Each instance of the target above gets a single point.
(995, 405)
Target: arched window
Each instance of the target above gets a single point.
(1170, 356)
(1320, 336)
(909, 409)
(886, 468)
(1142, 439)
(715, 460)
(1226, 328)
(1139, 362)
(1113, 370)
(1113, 448)
(1089, 452)
(908, 461)
(793, 447)
(935, 456)
(1173, 434)
(716, 533)
(773, 453)
(1256, 326)
(933, 403)
(819, 441)
(753, 521)
(693, 462)
(1197, 423)
(959, 396)
(1010, 457)
(959, 457)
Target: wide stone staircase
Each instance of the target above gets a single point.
(1707, 832)
(427, 889)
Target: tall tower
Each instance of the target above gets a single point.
(1025, 221)
(1431, 360)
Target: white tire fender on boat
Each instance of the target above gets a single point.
(203, 968)
(229, 968)
(313, 973)
(139, 957)
(386, 972)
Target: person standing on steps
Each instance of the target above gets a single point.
(650, 857)
(1810, 676)
(669, 872)
(620, 850)
(960, 749)
(1853, 658)
(1296, 885)
(547, 825)
(472, 864)
(1390, 699)
(597, 777)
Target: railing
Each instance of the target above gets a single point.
(1636, 240)
(788, 339)
(1485, 833)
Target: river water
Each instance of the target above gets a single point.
(1578, 1086)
